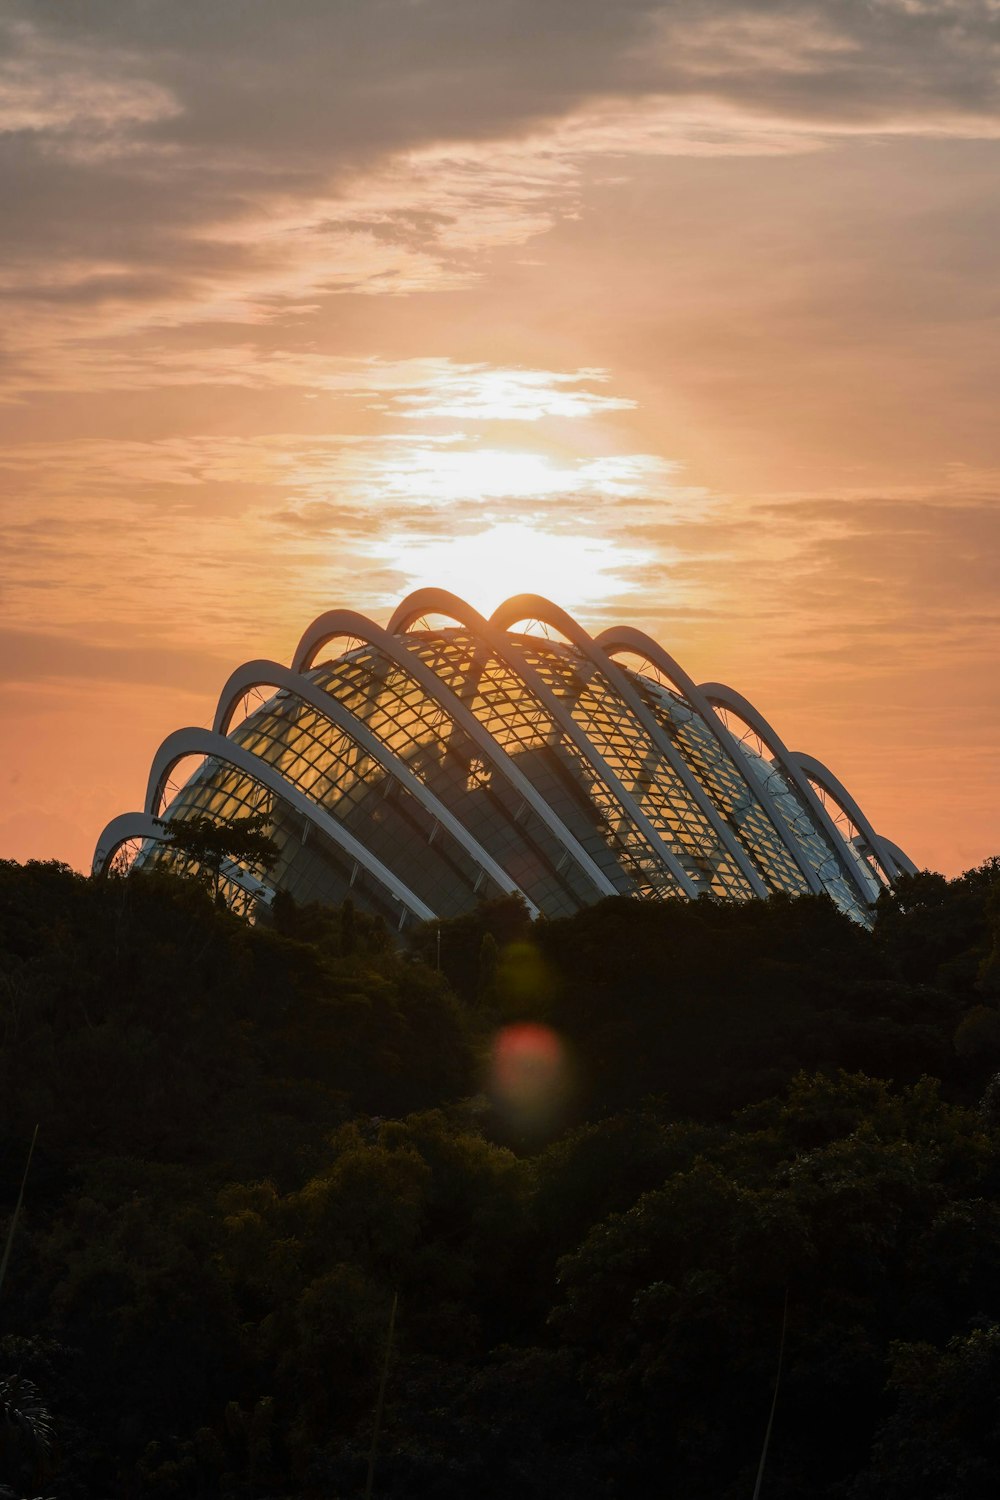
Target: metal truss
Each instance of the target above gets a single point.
(269, 673)
(440, 602)
(625, 639)
(727, 832)
(534, 607)
(891, 860)
(341, 622)
(205, 742)
(721, 696)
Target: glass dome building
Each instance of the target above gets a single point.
(425, 766)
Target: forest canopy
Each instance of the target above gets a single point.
(590, 1162)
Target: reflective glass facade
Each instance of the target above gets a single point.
(425, 771)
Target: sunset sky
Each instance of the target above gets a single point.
(685, 314)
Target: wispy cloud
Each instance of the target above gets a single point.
(193, 168)
(84, 99)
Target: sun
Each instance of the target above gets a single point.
(516, 557)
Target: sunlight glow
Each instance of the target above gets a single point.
(516, 557)
(486, 394)
(432, 471)
(483, 473)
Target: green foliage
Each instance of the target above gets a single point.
(208, 843)
(458, 942)
(940, 931)
(942, 1441)
(255, 1139)
(26, 1431)
(712, 1005)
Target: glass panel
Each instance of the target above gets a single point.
(380, 809)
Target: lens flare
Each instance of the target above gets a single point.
(529, 1073)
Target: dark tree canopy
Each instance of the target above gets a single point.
(253, 1139)
(210, 842)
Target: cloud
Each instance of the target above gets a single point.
(484, 394)
(862, 584)
(75, 92)
(369, 80)
(914, 558)
(848, 64)
(34, 656)
(416, 388)
(191, 164)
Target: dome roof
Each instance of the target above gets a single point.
(422, 767)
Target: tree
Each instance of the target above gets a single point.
(210, 842)
(942, 1441)
(489, 957)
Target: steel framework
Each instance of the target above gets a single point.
(424, 766)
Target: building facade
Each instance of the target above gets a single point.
(421, 768)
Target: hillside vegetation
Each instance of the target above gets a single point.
(253, 1140)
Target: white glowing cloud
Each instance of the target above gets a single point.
(485, 394)
(436, 474)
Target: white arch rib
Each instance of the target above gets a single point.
(727, 697)
(534, 607)
(206, 742)
(817, 772)
(130, 825)
(440, 602)
(270, 673)
(626, 638)
(344, 622)
(904, 861)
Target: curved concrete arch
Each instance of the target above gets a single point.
(344, 622)
(270, 673)
(727, 697)
(130, 825)
(440, 601)
(334, 625)
(903, 860)
(431, 601)
(816, 771)
(184, 742)
(626, 638)
(535, 607)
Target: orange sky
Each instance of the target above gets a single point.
(685, 314)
